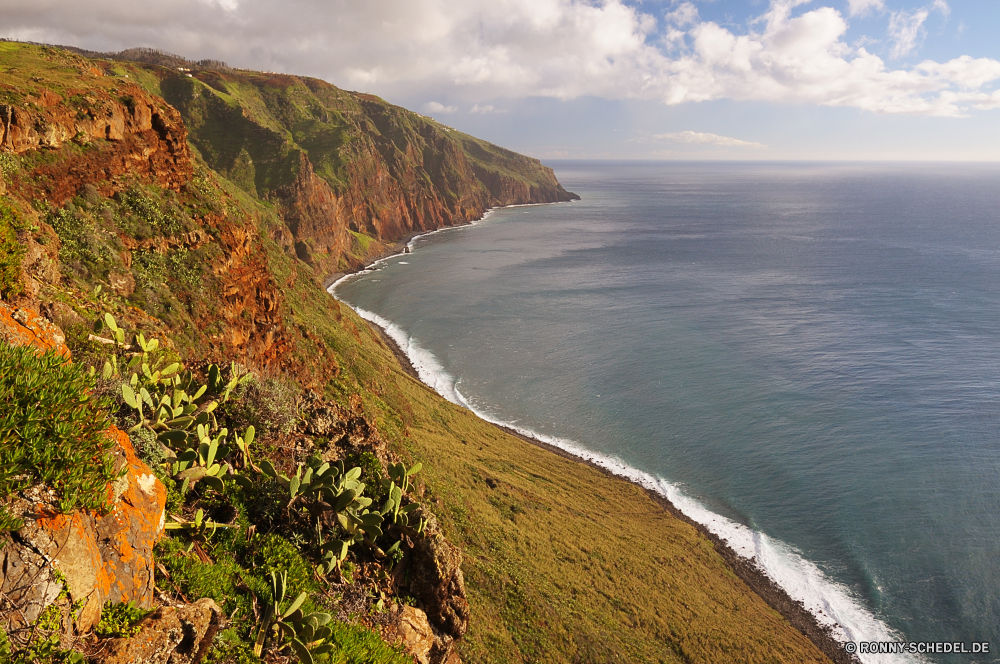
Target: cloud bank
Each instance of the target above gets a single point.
(707, 139)
(478, 50)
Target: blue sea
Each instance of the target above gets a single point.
(805, 357)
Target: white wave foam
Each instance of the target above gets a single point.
(428, 368)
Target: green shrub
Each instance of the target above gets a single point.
(273, 553)
(266, 403)
(229, 648)
(11, 253)
(144, 216)
(119, 620)
(87, 249)
(359, 645)
(39, 651)
(9, 164)
(371, 474)
(197, 579)
(146, 446)
(51, 431)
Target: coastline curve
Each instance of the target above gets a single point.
(825, 611)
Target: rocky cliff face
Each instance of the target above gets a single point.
(111, 127)
(348, 173)
(342, 164)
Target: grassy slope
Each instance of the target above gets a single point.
(563, 564)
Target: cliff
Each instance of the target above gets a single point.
(113, 128)
(349, 172)
(213, 241)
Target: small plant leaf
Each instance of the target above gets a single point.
(214, 483)
(129, 396)
(295, 605)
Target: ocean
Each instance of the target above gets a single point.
(805, 357)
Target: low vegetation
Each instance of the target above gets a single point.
(276, 552)
(11, 253)
(51, 432)
(269, 548)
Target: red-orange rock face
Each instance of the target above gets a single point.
(339, 162)
(127, 534)
(23, 327)
(131, 135)
(104, 558)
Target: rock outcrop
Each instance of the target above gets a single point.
(169, 635)
(21, 326)
(97, 558)
(437, 581)
(120, 130)
(85, 558)
(414, 633)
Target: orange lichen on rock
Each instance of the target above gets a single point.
(104, 557)
(127, 534)
(24, 327)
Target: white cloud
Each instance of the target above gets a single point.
(906, 29)
(942, 6)
(685, 14)
(704, 138)
(434, 107)
(227, 5)
(484, 110)
(862, 7)
(473, 50)
(988, 102)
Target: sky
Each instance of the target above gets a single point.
(639, 79)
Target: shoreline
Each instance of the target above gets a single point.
(398, 247)
(756, 580)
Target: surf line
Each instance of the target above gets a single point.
(410, 245)
(838, 612)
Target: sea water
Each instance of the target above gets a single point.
(805, 357)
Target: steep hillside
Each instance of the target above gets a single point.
(106, 209)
